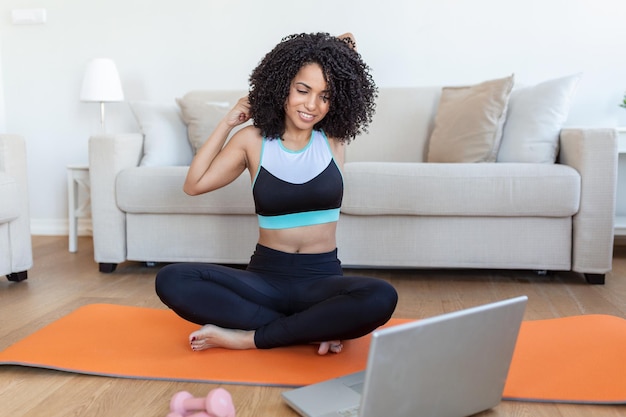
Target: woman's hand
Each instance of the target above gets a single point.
(240, 113)
(349, 39)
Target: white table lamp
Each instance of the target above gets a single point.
(101, 84)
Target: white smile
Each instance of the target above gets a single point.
(306, 116)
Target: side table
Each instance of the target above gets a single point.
(79, 200)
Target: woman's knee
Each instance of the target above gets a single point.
(167, 281)
(385, 298)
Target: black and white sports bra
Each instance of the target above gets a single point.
(297, 188)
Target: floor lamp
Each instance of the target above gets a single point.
(101, 84)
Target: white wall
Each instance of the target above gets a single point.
(164, 48)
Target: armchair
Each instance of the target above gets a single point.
(16, 255)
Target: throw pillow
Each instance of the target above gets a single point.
(535, 118)
(469, 120)
(201, 118)
(165, 134)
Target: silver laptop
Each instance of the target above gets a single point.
(452, 365)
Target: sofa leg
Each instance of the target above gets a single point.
(595, 279)
(18, 276)
(106, 268)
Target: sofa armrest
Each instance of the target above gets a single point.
(13, 163)
(593, 153)
(108, 155)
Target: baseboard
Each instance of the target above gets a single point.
(58, 227)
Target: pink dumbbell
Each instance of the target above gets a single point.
(217, 403)
(198, 414)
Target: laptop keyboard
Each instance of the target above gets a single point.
(358, 387)
(349, 412)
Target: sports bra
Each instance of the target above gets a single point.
(297, 188)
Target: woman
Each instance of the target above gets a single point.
(308, 97)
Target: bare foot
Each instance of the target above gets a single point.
(210, 336)
(334, 346)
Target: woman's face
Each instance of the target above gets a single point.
(308, 101)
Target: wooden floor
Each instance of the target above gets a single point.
(61, 281)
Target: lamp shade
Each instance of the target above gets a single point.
(101, 82)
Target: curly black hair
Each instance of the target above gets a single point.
(352, 88)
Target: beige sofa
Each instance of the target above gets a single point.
(398, 210)
(16, 255)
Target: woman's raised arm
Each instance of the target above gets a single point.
(216, 165)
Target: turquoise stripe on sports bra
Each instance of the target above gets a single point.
(306, 218)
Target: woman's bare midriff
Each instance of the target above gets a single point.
(319, 238)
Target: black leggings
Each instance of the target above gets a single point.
(286, 298)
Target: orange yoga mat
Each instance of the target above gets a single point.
(579, 359)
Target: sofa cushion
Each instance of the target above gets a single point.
(469, 121)
(160, 190)
(10, 207)
(534, 120)
(165, 135)
(201, 118)
(203, 109)
(379, 188)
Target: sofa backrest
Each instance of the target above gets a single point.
(399, 130)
